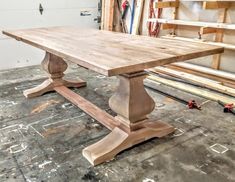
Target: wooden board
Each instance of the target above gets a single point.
(107, 15)
(103, 117)
(225, 78)
(138, 14)
(207, 30)
(167, 4)
(111, 53)
(219, 38)
(166, 26)
(203, 41)
(197, 68)
(196, 79)
(195, 23)
(192, 89)
(216, 4)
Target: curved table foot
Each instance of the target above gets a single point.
(118, 140)
(49, 85)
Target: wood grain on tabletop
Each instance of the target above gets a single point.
(111, 53)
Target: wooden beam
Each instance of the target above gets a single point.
(138, 15)
(216, 4)
(220, 44)
(221, 74)
(168, 26)
(207, 30)
(111, 14)
(107, 14)
(176, 11)
(223, 81)
(167, 4)
(175, 15)
(103, 15)
(216, 61)
(225, 78)
(103, 117)
(219, 38)
(214, 85)
(192, 89)
(194, 23)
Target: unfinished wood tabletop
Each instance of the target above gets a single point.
(111, 53)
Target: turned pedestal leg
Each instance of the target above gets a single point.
(55, 67)
(132, 104)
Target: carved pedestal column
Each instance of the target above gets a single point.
(131, 102)
(55, 67)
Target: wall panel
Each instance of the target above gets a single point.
(25, 14)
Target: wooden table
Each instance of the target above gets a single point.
(111, 54)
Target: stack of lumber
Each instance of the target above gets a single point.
(215, 96)
(216, 90)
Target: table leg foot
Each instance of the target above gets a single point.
(46, 86)
(49, 85)
(55, 67)
(119, 140)
(73, 84)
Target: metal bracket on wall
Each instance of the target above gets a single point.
(41, 9)
(98, 19)
(85, 13)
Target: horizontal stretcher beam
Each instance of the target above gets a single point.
(95, 112)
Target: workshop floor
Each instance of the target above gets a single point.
(41, 139)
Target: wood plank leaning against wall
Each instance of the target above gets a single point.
(111, 15)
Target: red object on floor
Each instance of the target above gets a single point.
(193, 105)
(228, 107)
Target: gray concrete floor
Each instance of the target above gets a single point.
(41, 139)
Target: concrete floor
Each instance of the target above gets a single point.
(42, 139)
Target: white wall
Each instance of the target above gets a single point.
(15, 14)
